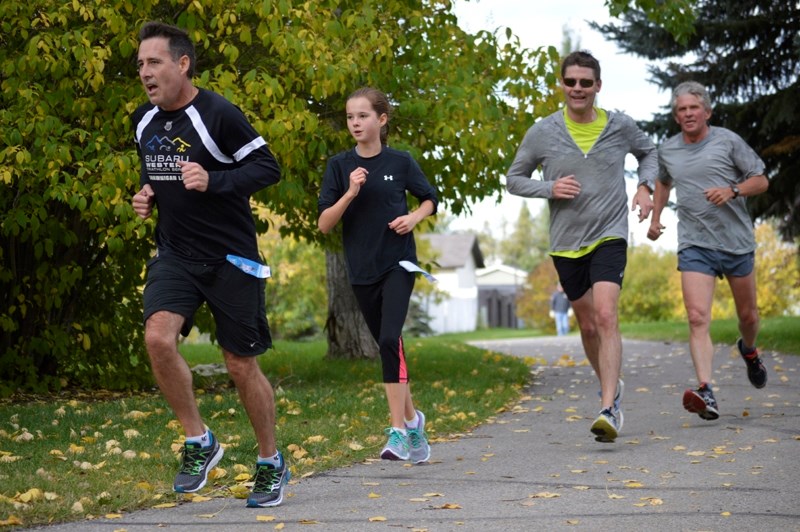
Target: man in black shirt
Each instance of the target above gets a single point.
(201, 161)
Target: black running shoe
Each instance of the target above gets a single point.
(701, 402)
(756, 372)
(268, 485)
(197, 462)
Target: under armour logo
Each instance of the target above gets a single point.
(388, 178)
(168, 126)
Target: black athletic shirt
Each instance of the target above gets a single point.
(205, 226)
(371, 248)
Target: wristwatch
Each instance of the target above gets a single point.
(735, 190)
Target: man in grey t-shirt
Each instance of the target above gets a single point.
(712, 170)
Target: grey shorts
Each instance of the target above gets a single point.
(236, 300)
(715, 262)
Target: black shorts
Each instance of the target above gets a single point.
(235, 298)
(606, 263)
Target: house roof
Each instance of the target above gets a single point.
(453, 249)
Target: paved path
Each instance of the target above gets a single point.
(537, 466)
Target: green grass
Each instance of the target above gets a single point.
(98, 453)
(776, 334)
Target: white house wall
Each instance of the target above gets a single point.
(458, 310)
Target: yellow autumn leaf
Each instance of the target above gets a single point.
(243, 477)
(200, 498)
(265, 518)
(377, 519)
(573, 521)
(544, 495)
(308, 522)
(76, 449)
(725, 514)
(615, 496)
(355, 446)
(239, 491)
(633, 484)
(279, 526)
(11, 521)
(166, 505)
(433, 494)
(315, 439)
(144, 486)
(418, 499)
(373, 495)
(450, 506)
(33, 494)
(206, 516)
(299, 453)
(696, 453)
(216, 473)
(113, 516)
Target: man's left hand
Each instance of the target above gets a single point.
(195, 176)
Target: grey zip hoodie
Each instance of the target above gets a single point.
(601, 208)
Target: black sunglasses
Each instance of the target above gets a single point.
(585, 83)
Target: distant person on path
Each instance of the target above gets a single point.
(713, 171)
(560, 307)
(201, 161)
(581, 152)
(366, 187)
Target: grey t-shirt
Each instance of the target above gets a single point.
(721, 159)
(601, 209)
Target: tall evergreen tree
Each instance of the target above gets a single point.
(747, 53)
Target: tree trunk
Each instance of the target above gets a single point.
(348, 335)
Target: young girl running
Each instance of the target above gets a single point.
(366, 188)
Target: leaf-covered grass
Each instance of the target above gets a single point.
(92, 454)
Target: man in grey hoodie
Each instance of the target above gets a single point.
(581, 151)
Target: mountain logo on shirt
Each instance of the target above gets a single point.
(165, 144)
(388, 178)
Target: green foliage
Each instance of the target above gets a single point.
(529, 242)
(71, 250)
(675, 16)
(746, 52)
(119, 452)
(652, 288)
(777, 273)
(296, 293)
(533, 303)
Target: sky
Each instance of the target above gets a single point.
(625, 88)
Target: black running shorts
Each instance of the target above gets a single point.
(605, 263)
(236, 301)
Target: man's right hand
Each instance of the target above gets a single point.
(143, 202)
(566, 187)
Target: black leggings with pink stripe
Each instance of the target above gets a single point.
(384, 305)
